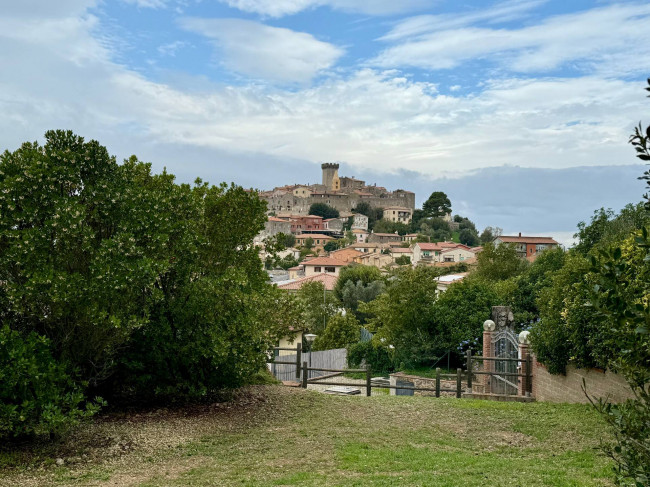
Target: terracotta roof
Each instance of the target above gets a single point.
(476, 249)
(402, 250)
(388, 235)
(328, 280)
(346, 254)
(358, 230)
(530, 240)
(295, 268)
(429, 246)
(324, 261)
(275, 219)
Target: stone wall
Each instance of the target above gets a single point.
(568, 388)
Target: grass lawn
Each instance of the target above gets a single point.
(277, 436)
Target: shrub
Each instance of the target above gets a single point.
(37, 394)
(377, 356)
(340, 332)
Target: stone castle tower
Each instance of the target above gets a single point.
(331, 179)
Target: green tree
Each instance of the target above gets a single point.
(468, 237)
(354, 293)
(341, 331)
(437, 205)
(403, 315)
(309, 243)
(499, 262)
(130, 275)
(403, 260)
(355, 273)
(387, 226)
(331, 246)
(324, 210)
(460, 311)
(317, 306)
(489, 234)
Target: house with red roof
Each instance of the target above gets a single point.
(527, 247)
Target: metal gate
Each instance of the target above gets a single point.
(506, 347)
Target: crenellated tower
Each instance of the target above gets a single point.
(331, 179)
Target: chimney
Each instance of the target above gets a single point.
(520, 234)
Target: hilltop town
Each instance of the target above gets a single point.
(371, 226)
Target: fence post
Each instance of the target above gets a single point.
(437, 381)
(305, 373)
(298, 356)
(469, 370)
(529, 375)
(458, 383)
(368, 382)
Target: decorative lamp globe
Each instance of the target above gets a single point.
(489, 325)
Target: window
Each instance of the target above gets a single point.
(316, 269)
(330, 269)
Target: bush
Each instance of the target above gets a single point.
(378, 357)
(37, 394)
(340, 332)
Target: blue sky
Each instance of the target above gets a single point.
(469, 97)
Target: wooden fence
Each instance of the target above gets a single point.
(289, 367)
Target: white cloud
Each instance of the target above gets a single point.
(606, 39)
(57, 75)
(499, 13)
(261, 51)
(280, 8)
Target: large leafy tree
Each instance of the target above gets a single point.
(404, 315)
(131, 276)
(324, 210)
(437, 205)
(499, 262)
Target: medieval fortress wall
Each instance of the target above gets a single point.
(342, 193)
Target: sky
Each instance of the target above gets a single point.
(520, 110)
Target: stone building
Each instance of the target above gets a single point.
(398, 214)
(344, 194)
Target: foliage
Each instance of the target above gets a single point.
(567, 331)
(403, 315)
(460, 311)
(340, 332)
(288, 240)
(353, 293)
(387, 226)
(468, 237)
(130, 275)
(620, 298)
(309, 243)
(403, 260)
(37, 394)
(437, 205)
(324, 210)
(608, 228)
(331, 246)
(317, 306)
(490, 233)
(499, 262)
(355, 273)
(371, 353)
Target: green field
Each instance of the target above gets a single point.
(271, 435)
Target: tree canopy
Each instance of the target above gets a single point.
(437, 205)
(324, 210)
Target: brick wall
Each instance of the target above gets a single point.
(568, 388)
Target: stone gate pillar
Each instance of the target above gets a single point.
(488, 365)
(524, 353)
